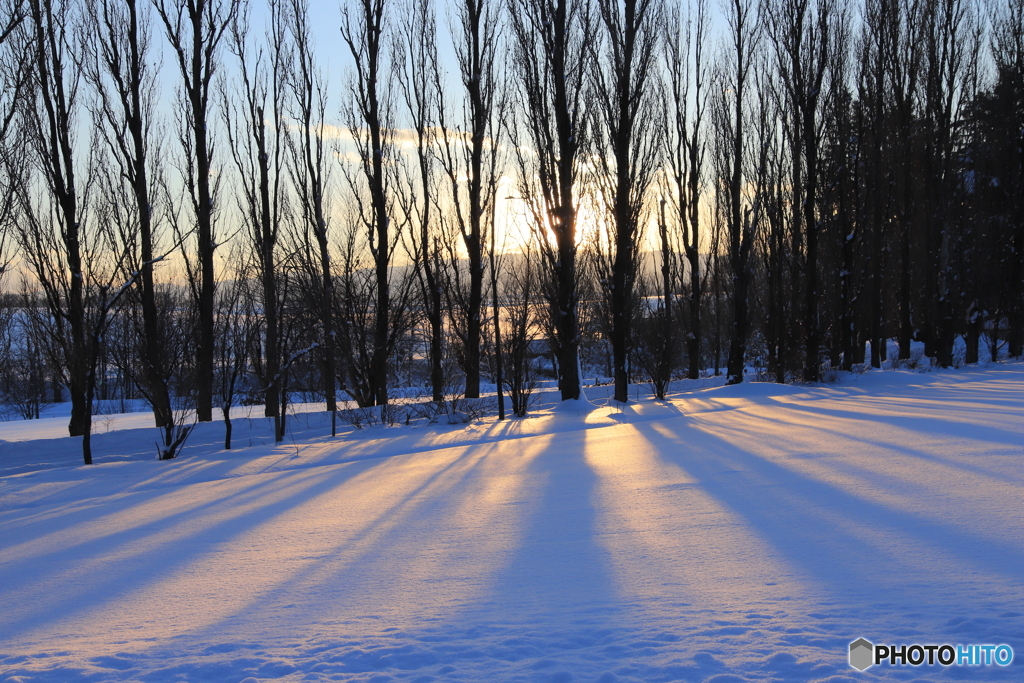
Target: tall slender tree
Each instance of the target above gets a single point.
(685, 139)
(419, 80)
(1003, 111)
(195, 30)
(371, 125)
(744, 38)
(903, 48)
(550, 54)
(119, 66)
(875, 190)
(841, 161)
(802, 36)
(311, 169)
(947, 39)
(470, 144)
(256, 132)
(626, 146)
(51, 118)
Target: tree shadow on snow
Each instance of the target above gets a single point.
(852, 545)
(174, 530)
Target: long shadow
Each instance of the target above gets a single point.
(84, 512)
(827, 416)
(543, 595)
(810, 521)
(77, 503)
(925, 425)
(903, 380)
(558, 562)
(114, 576)
(352, 567)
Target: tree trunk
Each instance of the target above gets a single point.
(473, 313)
(226, 410)
(194, 29)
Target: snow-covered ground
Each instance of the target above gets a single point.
(734, 534)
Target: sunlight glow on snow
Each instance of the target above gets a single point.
(664, 532)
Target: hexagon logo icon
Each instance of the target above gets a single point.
(862, 654)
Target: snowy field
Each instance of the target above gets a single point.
(734, 534)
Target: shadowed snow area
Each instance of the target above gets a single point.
(745, 533)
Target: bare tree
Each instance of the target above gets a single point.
(22, 348)
(903, 47)
(499, 349)
(372, 129)
(470, 146)
(16, 68)
(874, 139)
(550, 53)
(418, 77)
(256, 135)
(355, 286)
(195, 29)
(177, 309)
(776, 258)
(838, 176)
(101, 303)
(626, 149)
(657, 345)
(948, 28)
(1001, 110)
(686, 75)
(802, 34)
(104, 253)
(298, 333)
(730, 119)
(235, 326)
(519, 302)
(51, 236)
(118, 66)
(310, 157)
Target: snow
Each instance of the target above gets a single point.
(742, 533)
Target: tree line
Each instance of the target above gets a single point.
(780, 184)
